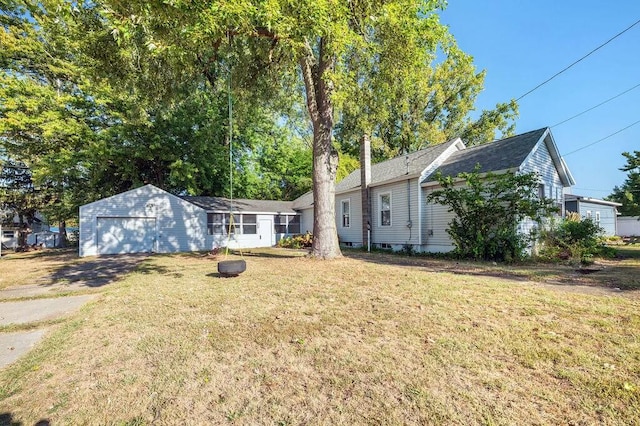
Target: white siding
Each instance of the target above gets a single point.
(180, 226)
(435, 222)
(607, 215)
(264, 237)
(9, 238)
(306, 221)
(404, 207)
(628, 226)
(352, 234)
(540, 161)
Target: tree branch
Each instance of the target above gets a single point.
(307, 66)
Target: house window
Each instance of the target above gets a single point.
(588, 214)
(9, 234)
(215, 223)
(280, 223)
(598, 218)
(541, 191)
(286, 224)
(218, 223)
(249, 224)
(294, 224)
(231, 227)
(385, 209)
(346, 213)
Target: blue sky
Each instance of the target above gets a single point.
(522, 43)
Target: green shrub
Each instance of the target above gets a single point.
(574, 240)
(488, 208)
(297, 241)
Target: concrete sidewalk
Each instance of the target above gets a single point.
(15, 344)
(23, 312)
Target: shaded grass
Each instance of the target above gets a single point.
(351, 341)
(28, 268)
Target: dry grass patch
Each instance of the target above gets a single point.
(351, 341)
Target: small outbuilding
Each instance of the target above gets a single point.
(628, 226)
(603, 213)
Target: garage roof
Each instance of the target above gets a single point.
(220, 204)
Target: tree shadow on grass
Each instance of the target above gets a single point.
(270, 253)
(6, 419)
(99, 271)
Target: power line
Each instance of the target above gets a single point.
(581, 59)
(600, 140)
(594, 107)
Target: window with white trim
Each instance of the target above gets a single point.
(215, 223)
(249, 224)
(219, 223)
(598, 218)
(286, 224)
(588, 214)
(346, 213)
(385, 209)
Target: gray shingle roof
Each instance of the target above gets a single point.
(221, 204)
(492, 157)
(304, 201)
(404, 165)
(573, 197)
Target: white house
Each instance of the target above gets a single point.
(38, 231)
(398, 188)
(385, 202)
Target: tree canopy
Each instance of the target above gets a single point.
(628, 194)
(100, 97)
(355, 61)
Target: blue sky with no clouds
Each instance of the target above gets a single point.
(522, 43)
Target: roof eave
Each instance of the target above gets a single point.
(384, 182)
(482, 175)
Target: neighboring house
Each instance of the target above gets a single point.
(389, 210)
(602, 213)
(628, 226)
(10, 231)
(148, 219)
(399, 187)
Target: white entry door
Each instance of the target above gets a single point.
(118, 235)
(265, 230)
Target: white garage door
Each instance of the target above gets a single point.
(118, 235)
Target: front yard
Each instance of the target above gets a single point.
(370, 338)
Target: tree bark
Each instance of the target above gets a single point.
(325, 158)
(62, 234)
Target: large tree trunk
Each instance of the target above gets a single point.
(23, 231)
(62, 233)
(325, 158)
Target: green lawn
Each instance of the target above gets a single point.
(365, 339)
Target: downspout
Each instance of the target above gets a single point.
(409, 223)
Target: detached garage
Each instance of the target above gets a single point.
(150, 220)
(146, 219)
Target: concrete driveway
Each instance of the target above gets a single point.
(94, 273)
